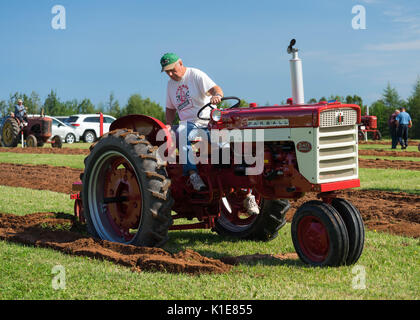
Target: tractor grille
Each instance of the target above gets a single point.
(331, 117)
(46, 127)
(337, 142)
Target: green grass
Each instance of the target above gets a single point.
(390, 180)
(68, 160)
(391, 158)
(392, 266)
(386, 147)
(22, 201)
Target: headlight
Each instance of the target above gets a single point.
(216, 115)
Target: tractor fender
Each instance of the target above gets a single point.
(145, 125)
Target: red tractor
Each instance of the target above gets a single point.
(128, 194)
(369, 124)
(35, 131)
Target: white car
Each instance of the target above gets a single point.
(87, 125)
(67, 133)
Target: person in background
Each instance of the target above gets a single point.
(393, 128)
(403, 122)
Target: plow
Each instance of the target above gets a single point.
(130, 193)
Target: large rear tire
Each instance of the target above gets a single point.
(234, 222)
(10, 133)
(126, 195)
(319, 235)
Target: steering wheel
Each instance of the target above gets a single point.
(211, 106)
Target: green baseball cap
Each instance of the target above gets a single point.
(168, 61)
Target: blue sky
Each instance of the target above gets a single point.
(116, 46)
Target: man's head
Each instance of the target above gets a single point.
(402, 109)
(20, 102)
(173, 66)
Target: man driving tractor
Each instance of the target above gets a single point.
(188, 90)
(20, 111)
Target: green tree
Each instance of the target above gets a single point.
(413, 108)
(113, 106)
(86, 106)
(137, 105)
(52, 105)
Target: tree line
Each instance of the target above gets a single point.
(136, 104)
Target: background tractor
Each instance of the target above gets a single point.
(369, 124)
(128, 194)
(35, 132)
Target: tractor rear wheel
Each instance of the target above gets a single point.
(319, 235)
(126, 195)
(235, 222)
(10, 133)
(355, 228)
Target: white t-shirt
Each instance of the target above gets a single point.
(189, 95)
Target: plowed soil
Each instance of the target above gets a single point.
(46, 150)
(43, 230)
(396, 213)
(389, 153)
(413, 143)
(389, 164)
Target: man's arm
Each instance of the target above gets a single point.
(170, 116)
(217, 94)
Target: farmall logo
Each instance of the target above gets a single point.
(339, 117)
(268, 123)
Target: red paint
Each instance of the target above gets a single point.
(101, 124)
(313, 238)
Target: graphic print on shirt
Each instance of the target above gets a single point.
(183, 97)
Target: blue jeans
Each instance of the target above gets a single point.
(186, 132)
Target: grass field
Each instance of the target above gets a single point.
(391, 263)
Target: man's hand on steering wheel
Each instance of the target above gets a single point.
(216, 99)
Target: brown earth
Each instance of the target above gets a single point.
(385, 211)
(43, 230)
(413, 143)
(389, 164)
(389, 153)
(46, 150)
(40, 177)
(395, 213)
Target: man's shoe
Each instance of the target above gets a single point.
(251, 205)
(196, 182)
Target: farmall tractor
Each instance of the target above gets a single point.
(129, 195)
(35, 131)
(369, 124)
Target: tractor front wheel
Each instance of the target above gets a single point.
(126, 195)
(31, 141)
(319, 235)
(235, 222)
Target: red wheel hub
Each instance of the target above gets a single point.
(313, 238)
(123, 198)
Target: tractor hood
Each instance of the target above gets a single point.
(286, 116)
